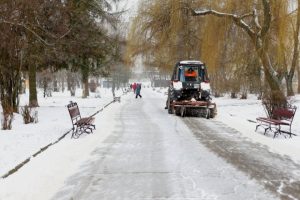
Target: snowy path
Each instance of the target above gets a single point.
(153, 155)
(277, 173)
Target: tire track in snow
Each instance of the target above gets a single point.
(277, 173)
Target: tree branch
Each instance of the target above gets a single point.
(246, 15)
(256, 21)
(267, 18)
(212, 12)
(49, 33)
(238, 20)
(28, 29)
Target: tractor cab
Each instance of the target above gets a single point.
(195, 72)
(189, 91)
(188, 74)
(190, 80)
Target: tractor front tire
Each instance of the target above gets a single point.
(170, 109)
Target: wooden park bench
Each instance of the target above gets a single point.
(80, 124)
(280, 117)
(117, 99)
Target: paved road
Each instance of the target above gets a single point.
(153, 155)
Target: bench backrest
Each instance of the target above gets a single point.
(284, 113)
(74, 111)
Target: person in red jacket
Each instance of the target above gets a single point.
(134, 87)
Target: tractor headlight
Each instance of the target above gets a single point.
(177, 85)
(205, 86)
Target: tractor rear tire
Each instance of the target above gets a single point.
(182, 111)
(212, 113)
(177, 111)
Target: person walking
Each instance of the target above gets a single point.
(138, 90)
(134, 85)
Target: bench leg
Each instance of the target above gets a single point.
(88, 128)
(276, 133)
(78, 130)
(257, 127)
(76, 133)
(262, 125)
(266, 130)
(266, 127)
(287, 132)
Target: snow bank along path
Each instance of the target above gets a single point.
(45, 174)
(15, 169)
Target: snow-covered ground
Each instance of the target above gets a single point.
(241, 115)
(24, 140)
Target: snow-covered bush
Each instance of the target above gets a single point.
(29, 114)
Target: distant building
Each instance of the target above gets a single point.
(107, 83)
(160, 83)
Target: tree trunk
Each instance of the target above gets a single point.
(7, 101)
(277, 96)
(45, 86)
(17, 84)
(290, 75)
(233, 95)
(68, 82)
(298, 70)
(55, 84)
(86, 89)
(289, 86)
(113, 87)
(7, 115)
(33, 101)
(71, 83)
(85, 81)
(63, 84)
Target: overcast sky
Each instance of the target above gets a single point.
(131, 6)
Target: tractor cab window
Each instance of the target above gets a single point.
(193, 73)
(188, 73)
(203, 74)
(181, 74)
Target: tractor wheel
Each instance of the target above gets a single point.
(182, 111)
(212, 113)
(207, 113)
(170, 109)
(177, 111)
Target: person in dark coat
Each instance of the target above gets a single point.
(138, 90)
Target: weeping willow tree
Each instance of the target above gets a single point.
(226, 50)
(249, 45)
(261, 26)
(164, 32)
(284, 42)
